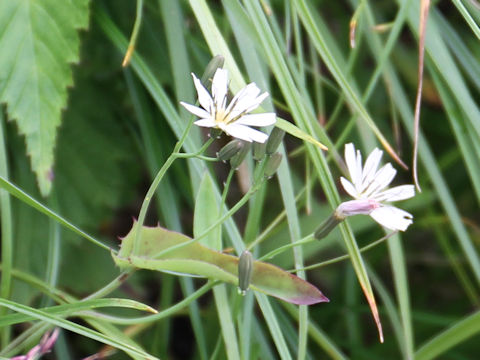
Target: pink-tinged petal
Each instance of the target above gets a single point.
(204, 97)
(356, 207)
(397, 193)
(382, 179)
(205, 123)
(195, 110)
(264, 119)
(245, 133)
(351, 161)
(371, 166)
(392, 218)
(220, 87)
(349, 188)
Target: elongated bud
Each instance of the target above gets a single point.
(245, 271)
(328, 225)
(274, 140)
(237, 159)
(229, 150)
(356, 207)
(272, 164)
(259, 150)
(216, 62)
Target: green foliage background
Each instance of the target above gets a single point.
(85, 137)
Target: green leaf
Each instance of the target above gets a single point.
(454, 335)
(293, 130)
(196, 259)
(39, 41)
(78, 329)
(76, 309)
(206, 213)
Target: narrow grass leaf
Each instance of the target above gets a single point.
(447, 339)
(78, 329)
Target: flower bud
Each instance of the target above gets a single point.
(229, 150)
(272, 164)
(259, 150)
(245, 271)
(356, 207)
(238, 158)
(216, 62)
(327, 226)
(274, 140)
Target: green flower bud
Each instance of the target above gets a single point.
(328, 225)
(274, 140)
(272, 164)
(245, 271)
(229, 150)
(259, 150)
(238, 158)
(216, 62)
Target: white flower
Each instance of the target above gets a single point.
(232, 119)
(367, 186)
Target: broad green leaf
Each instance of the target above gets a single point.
(39, 41)
(206, 213)
(198, 260)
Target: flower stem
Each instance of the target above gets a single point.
(226, 187)
(161, 173)
(229, 213)
(347, 256)
(111, 286)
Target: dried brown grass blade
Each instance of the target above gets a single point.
(424, 8)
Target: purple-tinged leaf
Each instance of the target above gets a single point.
(195, 259)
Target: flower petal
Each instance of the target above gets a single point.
(264, 119)
(244, 100)
(356, 207)
(382, 179)
(392, 218)
(204, 97)
(245, 133)
(195, 110)
(349, 188)
(351, 161)
(205, 123)
(220, 87)
(371, 166)
(396, 193)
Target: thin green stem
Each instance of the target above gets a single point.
(226, 188)
(302, 241)
(111, 286)
(228, 214)
(158, 178)
(345, 257)
(7, 237)
(160, 315)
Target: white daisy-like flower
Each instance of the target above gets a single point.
(368, 185)
(234, 118)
